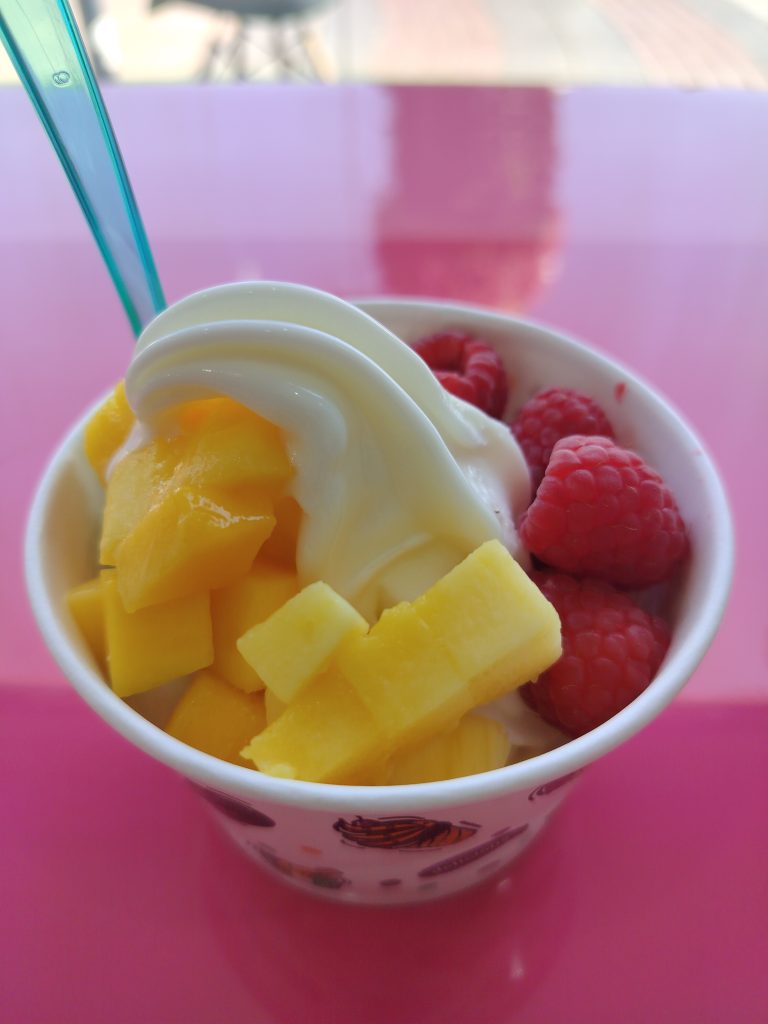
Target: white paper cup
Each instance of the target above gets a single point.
(406, 843)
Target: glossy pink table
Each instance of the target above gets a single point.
(638, 220)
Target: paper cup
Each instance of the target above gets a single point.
(404, 844)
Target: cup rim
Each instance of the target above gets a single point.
(565, 760)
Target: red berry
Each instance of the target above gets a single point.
(601, 511)
(550, 416)
(611, 651)
(468, 368)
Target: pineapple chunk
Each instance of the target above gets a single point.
(150, 647)
(137, 483)
(86, 605)
(217, 718)
(496, 626)
(298, 640)
(237, 607)
(280, 546)
(405, 679)
(325, 735)
(191, 542)
(477, 744)
(273, 706)
(107, 429)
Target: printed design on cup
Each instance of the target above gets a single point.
(469, 856)
(549, 787)
(322, 877)
(236, 810)
(403, 833)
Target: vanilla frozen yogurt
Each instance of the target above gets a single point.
(398, 479)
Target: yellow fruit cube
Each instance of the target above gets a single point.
(222, 448)
(280, 546)
(273, 706)
(297, 641)
(406, 680)
(236, 608)
(379, 774)
(217, 718)
(191, 542)
(325, 735)
(136, 484)
(496, 626)
(477, 744)
(241, 449)
(150, 647)
(401, 692)
(107, 429)
(207, 414)
(86, 605)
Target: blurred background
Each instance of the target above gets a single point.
(688, 43)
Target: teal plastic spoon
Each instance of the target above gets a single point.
(43, 41)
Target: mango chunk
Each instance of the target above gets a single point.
(154, 645)
(325, 735)
(280, 546)
(191, 542)
(233, 447)
(497, 628)
(107, 430)
(298, 640)
(217, 718)
(377, 774)
(210, 448)
(273, 706)
(236, 608)
(136, 484)
(477, 744)
(208, 414)
(414, 676)
(86, 605)
(406, 680)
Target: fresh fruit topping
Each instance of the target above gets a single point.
(550, 416)
(86, 605)
(481, 630)
(612, 649)
(477, 744)
(154, 645)
(107, 429)
(468, 368)
(297, 641)
(217, 718)
(602, 511)
(189, 543)
(234, 609)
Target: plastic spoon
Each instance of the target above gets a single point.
(46, 48)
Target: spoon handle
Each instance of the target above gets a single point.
(45, 46)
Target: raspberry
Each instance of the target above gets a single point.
(468, 368)
(550, 416)
(611, 651)
(601, 511)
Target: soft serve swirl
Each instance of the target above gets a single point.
(398, 479)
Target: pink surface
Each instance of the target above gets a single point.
(638, 220)
(645, 899)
